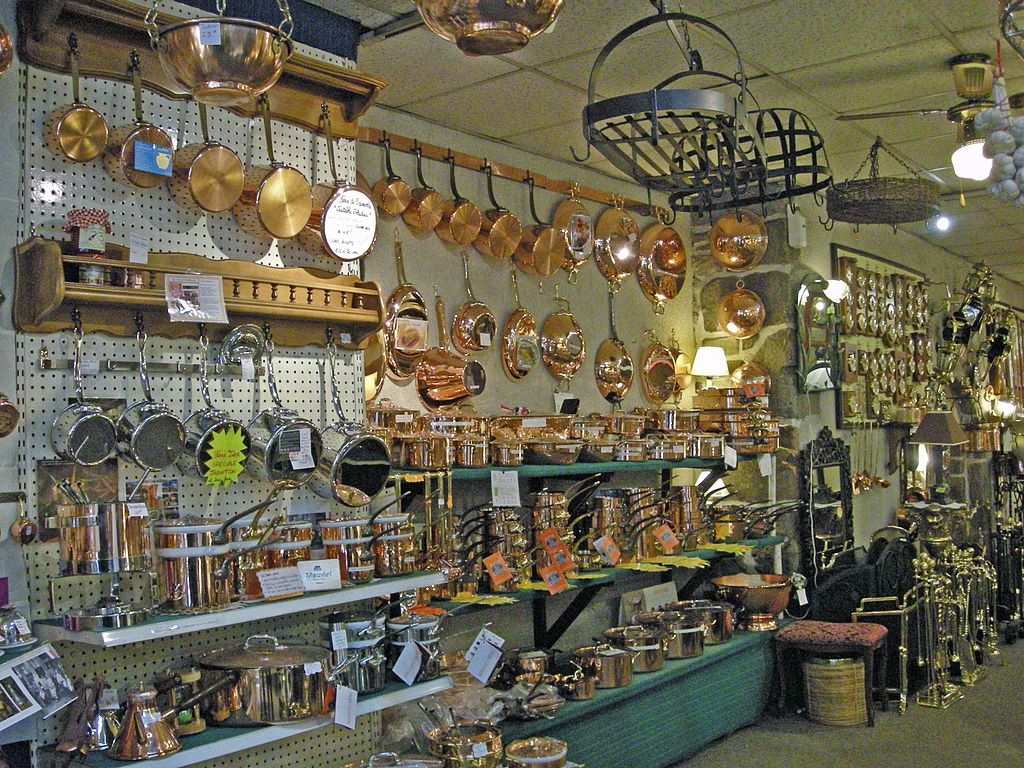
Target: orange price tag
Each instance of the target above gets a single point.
(754, 389)
(666, 537)
(553, 579)
(562, 559)
(550, 540)
(497, 569)
(608, 550)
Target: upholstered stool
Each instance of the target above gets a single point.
(826, 637)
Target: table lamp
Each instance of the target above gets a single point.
(939, 429)
(710, 363)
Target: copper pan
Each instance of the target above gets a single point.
(520, 348)
(577, 227)
(276, 198)
(6, 51)
(426, 206)
(406, 324)
(542, 251)
(460, 220)
(657, 371)
(563, 346)
(474, 326)
(662, 268)
(119, 159)
(442, 377)
(616, 250)
(391, 194)
(501, 230)
(613, 365)
(373, 366)
(208, 176)
(74, 131)
(739, 240)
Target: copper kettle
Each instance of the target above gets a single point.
(442, 377)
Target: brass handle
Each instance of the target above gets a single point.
(73, 56)
(264, 107)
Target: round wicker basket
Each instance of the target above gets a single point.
(835, 691)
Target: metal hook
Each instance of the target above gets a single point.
(418, 151)
(386, 143)
(487, 169)
(450, 159)
(532, 184)
(827, 223)
(572, 149)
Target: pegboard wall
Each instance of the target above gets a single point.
(50, 188)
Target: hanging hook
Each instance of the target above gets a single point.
(386, 143)
(827, 223)
(450, 159)
(487, 169)
(532, 184)
(418, 151)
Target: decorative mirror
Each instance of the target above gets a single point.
(827, 519)
(818, 332)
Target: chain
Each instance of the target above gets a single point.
(287, 24)
(220, 7)
(150, 21)
(873, 159)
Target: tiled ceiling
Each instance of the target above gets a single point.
(823, 57)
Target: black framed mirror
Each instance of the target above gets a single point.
(827, 520)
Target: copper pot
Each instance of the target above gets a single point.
(473, 326)
(119, 159)
(470, 450)
(500, 231)
(705, 446)
(391, 194)
(460, 219)
(562, 343)
(467, 745)
(461, 420)
(720, 398)
(626, 424)
(741, 313)
(613, 667)
(208, 176)
(542, 250)
(577, 227)
(661, 271)
(715, 617)
(427, 451)
(541, 751)
(552, 451)
(405, 325)
(631, 450)
(75, 131)
(668, 448)
(425, 207)
(530, 427)
(346, 541)
(600, 450)
(444, 378)
(385, 415)
(683, 632)
(729, 528)
(506, 453)
(643, 644)
(616, 250)
(587, 428)
(672, 420)
(739, 240)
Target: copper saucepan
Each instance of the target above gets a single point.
(75, 131)
(657, 371)
(444, 378)
(276, 198)
(207, 176)
(391, 194)
(120, 158)
(563, 346)
(474, 326)
(577, 227)
(520, 347)
(501, 230)
(615, 245)
(405, 325)
(425, 205)
(613, 365)
(662, 268)
(542, 250)
(460, 220)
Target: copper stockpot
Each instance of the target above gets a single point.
(626, 424)
(704, 445)
(646, 646)
(427, 450)
(672, 420)
(506, 453)
(683, 632)
(470, 451)
(391, 194)
(501, 230)
(426, 206)
(208, 176)
(187, 557)
(459, 420)
(460, 219)
(716, 618)
(119, 158)
(75, 131)
(444, 378)
(343, 542)
(720, 398)
(530, 427)
(631, 449)
(600, 449)
(668, 448)
(542, 250)
(613, 667)
(385, 415)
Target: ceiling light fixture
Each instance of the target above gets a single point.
(969, 161)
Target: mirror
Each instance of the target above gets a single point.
(817, 311)
(827, 519)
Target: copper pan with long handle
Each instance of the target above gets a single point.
(391, 194)
(442, 377)
(460, 220)
(501, 230)
(208, 176)
(542, 250)
(405, 324)
(75, 131)
(520, 346)
(425, 205)
(474, 326)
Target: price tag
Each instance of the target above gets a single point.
(108, 699)
(537, 422)
(666, 537)
(483, 656)
(608, 550)
(497, 569)
(21, 625)
(550, 540)
(553, 579)
(319, 575)
(505, 488)
(408, 664)
(729, 454)
(410, 335)
(485, 637)
(339, 640)
(209, 33)
(312, 668)
(485, 340)
(138, 248)
(404, 418)
(753, 389)
(480, 750)
(248, 368)
(345, 707)
(138, 509)
(280, 582)
(562, 559)
(298, 444)
(344, 338)
(764, 464)
(801, 596)
(90, 367)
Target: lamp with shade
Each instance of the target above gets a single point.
(710, 363)
(969, 161)
(939, 429)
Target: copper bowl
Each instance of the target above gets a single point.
(489, 27)
(760, 596)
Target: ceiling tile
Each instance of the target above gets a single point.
(790, 34)
(977, 250)
(554, 141)
(514, 103)
(997, 234)
(931, 153)
(401, 61)
(956, 15)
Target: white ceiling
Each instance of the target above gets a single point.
(823, 57)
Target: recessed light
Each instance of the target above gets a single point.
(941, 223)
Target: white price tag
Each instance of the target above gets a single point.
(345, 338)
(312, 668)
(280, 582)
(729, 454)
(209, 33)
(485, 637)
(108, 699)
(302, 458)
(408, 664)
(505, 488)
(535, 423)
(485, 339)
(195, 298)
(138, 248)
(248, 368)
(480, 750)
(484, 662)
(801, 596)
(345, 707)
(404, 418)
(90, 367)
(339, 640)
(319, 575)
(764, 463)
(138, 509)
(21, 625)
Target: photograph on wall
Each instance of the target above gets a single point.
(161, 496)
(42, 675)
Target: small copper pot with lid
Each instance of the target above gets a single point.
(501, 231)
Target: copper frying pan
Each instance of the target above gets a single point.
(405, 325)
(520, 348)
(391, 194)
(460, 220)
(613, 365)
(501, 230)
(425, 205)
(563, 346)
(657, 371)
(207, 176)
(474, 326)
(75, 131)
(542, 250)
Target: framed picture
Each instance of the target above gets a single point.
(42, 677)
(16, 703)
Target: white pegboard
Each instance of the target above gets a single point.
(51, 187)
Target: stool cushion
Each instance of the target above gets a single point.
(829, 633)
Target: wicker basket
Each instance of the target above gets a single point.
(835, 691)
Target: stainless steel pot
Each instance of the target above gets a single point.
(101, 538)
(82, 433)
(425, 631)
(276, 683)
(357, 644)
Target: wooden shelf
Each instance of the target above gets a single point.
(299, 302)
(108, 30)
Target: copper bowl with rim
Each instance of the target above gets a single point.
(759, 596)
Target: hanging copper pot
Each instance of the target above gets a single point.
(563, 346)
(616, 250)
(373, 366)
(276, 198)
(120, 157)
(657, 371)
(405, 325)
(541, 252)
(741, 313)
(74, 131)
(739, 240)
(752, 377)
(6, 51)
(391, 194)
(577, 227)
(613, 365)
(662, 268)
(501, 230)
(208, 176)
(426, 206)
(520, 349)
(442, 377)
(474, 326)
(460, 220)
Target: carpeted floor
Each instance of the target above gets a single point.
(985, 729)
